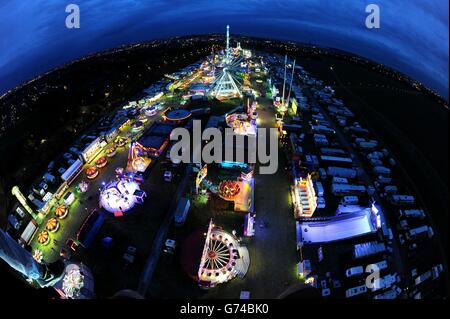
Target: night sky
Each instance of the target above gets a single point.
(413, 37)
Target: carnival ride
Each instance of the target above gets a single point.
(101, 162)
(226, 84)
(177, 116)
(121, 195)
(137, 158)
(61, 211)
(43, 237)
(83, 186)
(52, 225)
(241, 123)
(229, 190)
(91, 172)
(223, 258)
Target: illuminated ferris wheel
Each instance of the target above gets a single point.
(218, 257)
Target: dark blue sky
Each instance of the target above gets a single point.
(413, 37)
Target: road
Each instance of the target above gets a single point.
(157, 243)
(273, 256)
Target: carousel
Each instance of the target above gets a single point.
(43, 237)
(61, 211)
(92, 172)
(229, 190)
(52, 225)
(101, 162)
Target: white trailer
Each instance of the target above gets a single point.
(344, 189)
(383, 179)
(390, 294)
(368, 249)
(403, 199)
(349, 200)
(412, 213)
(381, 170)
(355, 291)
(419, 231)
(391, 189)
(375, 155)
(340, 180)
(341, 172)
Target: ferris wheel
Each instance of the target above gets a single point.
(221, 255)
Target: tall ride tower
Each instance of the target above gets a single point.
(225, 85)
(227, 53)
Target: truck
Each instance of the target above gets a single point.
(181, 211)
